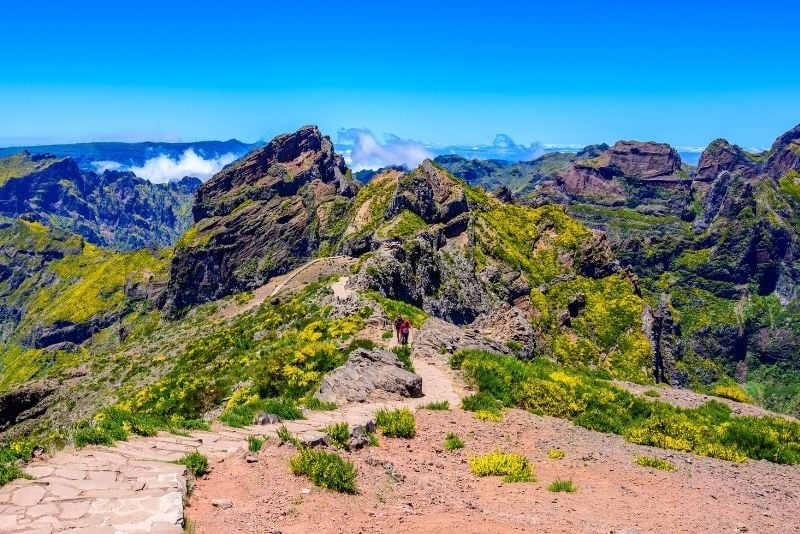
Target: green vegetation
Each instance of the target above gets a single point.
(313, 403)
(403, 354)
(404, 224)
(652, 461)
(244, 405)
(559, 485)
(254, 443)
(10, 455)
(397, 423)
(339, 435)
(589, 400)
(326, 470)
(437, 405)
(651, 393)
(732, 392)
(555, 454)
(492, 416)
(196, 463)
(19, 165)
(452, 442)
(296, 346)
(512, 467)
(393, 308)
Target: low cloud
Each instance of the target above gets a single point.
(363, 151)
(162, 169)
(503, 148)
(102, 166)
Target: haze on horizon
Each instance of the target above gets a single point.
(439, 74)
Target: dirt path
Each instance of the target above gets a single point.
(296, 279)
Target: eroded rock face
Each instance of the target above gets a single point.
(23, 404)
(660, 329)
(508, 326)
(260, 217)
(369, 375)
(720, 156)
(437, 339)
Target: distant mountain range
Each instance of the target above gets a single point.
(133, 154)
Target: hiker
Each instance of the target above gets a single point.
(398, 324)
(405, 328)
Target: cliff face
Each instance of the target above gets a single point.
(114, 209)
(261, 216)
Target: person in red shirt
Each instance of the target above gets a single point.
(405, 329)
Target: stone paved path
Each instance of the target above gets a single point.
(132, 487)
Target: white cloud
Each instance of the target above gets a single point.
(163, 168)
(364, 151)
(102, 166)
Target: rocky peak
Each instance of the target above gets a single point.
(280, 168)
(429, 192)
(261, 216)
(784, 155)
(635, 159)
(721, 156)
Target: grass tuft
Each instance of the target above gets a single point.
(195, 462)
(453, 442)
(555, 454)
(398, 423)
(559, 485)
(652, 461)
(437, 405)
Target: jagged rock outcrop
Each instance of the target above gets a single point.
(721, 156)
(369, 375)
(260, 217)
(115, 209)
(510, 327)
(24, 403)
(439, 339)
(660, 329)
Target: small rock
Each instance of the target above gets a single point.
(222, 503)
(305, 491)
(263, 418)
(250, 459)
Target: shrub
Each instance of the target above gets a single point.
(387, 335)
(555, 454)
(398, 423)
(9, 472)
(339, 434)
(562, 485)
(437, 405)
(587, 399)
(481, 401)
(254, 443)
(657, 463)
(360, 343)
(452, 442)
(494, 416)
(512, 467)
(326, 470)
(196, 463)
(733, 393)
(651, 393)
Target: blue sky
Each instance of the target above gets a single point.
(438, 72)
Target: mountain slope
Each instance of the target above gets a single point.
(114, 209)
(261, 216)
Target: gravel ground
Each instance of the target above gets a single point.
(414, 486)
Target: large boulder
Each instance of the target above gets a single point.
(369, 375)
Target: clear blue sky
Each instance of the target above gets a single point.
(440, 72)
